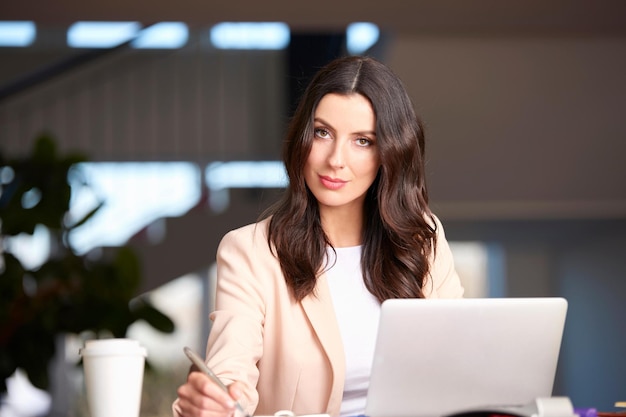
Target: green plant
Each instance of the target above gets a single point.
(68, 293)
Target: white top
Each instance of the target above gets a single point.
(357, 312)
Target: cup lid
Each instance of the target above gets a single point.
(117, 346)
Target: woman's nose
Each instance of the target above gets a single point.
(337, 155)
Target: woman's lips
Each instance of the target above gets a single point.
(332, 183)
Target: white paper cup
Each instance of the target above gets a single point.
(113, 376)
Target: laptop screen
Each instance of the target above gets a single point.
(436, 357)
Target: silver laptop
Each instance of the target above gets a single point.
(439, 357)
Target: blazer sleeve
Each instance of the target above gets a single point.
(444, 281)
(235, 342)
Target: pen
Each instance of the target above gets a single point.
(197, 360)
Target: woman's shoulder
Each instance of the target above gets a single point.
(433, 221)
(250, 234)
(248, 247)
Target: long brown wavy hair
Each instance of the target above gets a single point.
(399, 229)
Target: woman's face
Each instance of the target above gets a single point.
(344, 159)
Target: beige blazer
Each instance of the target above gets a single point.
(289, 354)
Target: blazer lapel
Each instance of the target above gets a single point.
(319, 309)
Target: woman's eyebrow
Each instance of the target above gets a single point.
(320, 120)
(325, 123)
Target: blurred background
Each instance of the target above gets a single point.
(180, 108)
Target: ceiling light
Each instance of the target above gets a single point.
(101, 34)
(241, 35)
(361, 36)
(163, 35)
(17, 33)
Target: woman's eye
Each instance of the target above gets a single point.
(363, 142)
(321, 133)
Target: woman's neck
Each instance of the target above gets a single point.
(344, 228)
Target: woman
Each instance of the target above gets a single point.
(299, 293)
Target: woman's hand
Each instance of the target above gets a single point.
(201, 397)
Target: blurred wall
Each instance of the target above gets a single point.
(535, 120)
(194, 104)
